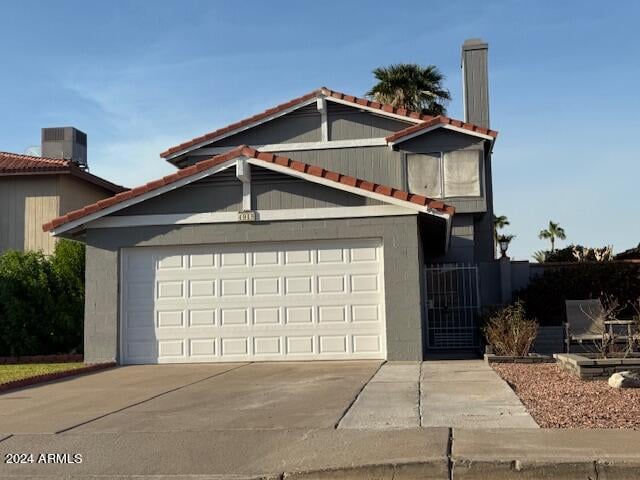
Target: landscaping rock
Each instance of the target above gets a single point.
(625, 379)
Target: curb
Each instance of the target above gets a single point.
(533, 470)
(47, 377)
(422, 470)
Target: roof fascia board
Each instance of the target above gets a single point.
(261, 216)
(290, 147)
(141, 198)
(377, 111)
(268, 118)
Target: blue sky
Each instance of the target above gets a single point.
(141, 76)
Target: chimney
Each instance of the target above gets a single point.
(475, 82)
(67, 143)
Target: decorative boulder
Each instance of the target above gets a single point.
(626, 379)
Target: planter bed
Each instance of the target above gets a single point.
(54, 375)
(531, 358)
(587, 367)
(556, 398)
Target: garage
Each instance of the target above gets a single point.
(269, 301)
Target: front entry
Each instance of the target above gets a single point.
(452, 306)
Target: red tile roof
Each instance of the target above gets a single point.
(383, 107)
(18, 164)
(439, 120)
(356, 101)
(252, 153)
(13, 163)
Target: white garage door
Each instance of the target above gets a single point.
(270, 301)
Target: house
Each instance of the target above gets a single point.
(328, 227)
(35, 190)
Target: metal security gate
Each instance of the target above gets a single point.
(452, 306)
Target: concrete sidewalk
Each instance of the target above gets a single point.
(453, 393)
(419, 453)
(470, 394)
(391, 399)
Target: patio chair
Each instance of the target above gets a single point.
(585, 321)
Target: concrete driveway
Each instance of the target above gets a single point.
(286, 420)
(195, 397)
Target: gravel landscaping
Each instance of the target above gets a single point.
(556, 399)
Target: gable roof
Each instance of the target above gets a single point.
(262, 159)
(436, 122)
(331, 95)
(18, 164)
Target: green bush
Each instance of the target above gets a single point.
(42, 301)
(545, 295)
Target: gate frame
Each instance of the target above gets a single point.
(473, 273)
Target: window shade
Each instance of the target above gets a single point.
(462, 173)
(424, 174)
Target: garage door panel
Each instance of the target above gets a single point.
(297, 301)
(202, 317)
(235, 346)
(202, 288)
(202, 347)
(333, 344)
(267, 316)
(170, 319)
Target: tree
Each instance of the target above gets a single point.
(411, 86)
(551, 233)
(540, 256)
(499, 222)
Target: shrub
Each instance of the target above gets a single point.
(42, 301)
(545, 295)
(568, 254)
(509, 332)
(68, 264)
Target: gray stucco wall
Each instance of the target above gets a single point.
(461, 244)
(402, 270)
(101, 304)
(301, 125)
(277, 191)
(375, 164)
(219, 193)
(347, 123)
(222, 192)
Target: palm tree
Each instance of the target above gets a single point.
(552, 232)
(499, 223)
(411, 86)
(540, 256)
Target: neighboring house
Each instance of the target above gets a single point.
(35, 190)
(328, 227)
(631, 254)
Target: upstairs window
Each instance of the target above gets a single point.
(445, 174)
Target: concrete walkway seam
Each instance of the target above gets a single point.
(355, 398)
(450, 454)
(150, 398)
(420, 406)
